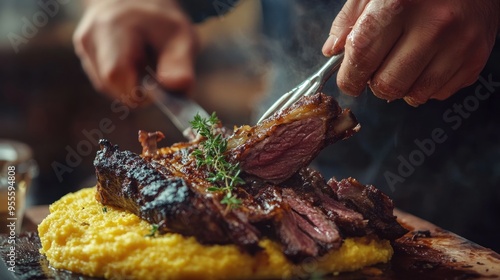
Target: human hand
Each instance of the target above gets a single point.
(113, 35)
(414, 50)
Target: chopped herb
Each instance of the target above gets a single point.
(223, 174)
(105, 209)
(153, 231)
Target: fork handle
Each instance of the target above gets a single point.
(330, 67)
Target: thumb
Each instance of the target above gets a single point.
(342, 25)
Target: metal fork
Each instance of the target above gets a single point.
(310, 86)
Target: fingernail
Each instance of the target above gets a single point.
(328, 47)
(411, 101)
(380, 91)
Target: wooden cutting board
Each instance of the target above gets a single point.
(426, 252)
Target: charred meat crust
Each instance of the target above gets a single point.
(128, 181)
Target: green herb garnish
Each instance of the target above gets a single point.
(104, 209)
(153, 231)
(224, 175)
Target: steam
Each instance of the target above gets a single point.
(296, 32)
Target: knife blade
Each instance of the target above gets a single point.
(180, 110)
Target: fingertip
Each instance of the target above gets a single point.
(122, 85)
(176, 78)
(385, 91)
(175, 70)
(442, 95)
(329, 45)
(414, 102)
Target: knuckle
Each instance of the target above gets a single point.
(342, 19)
(368, 27)
(437, 27)
(413, 62)
(445, 16)
(396, 6)
(81, 41)
(470, 35)
(359, 54)
(361, 40)
(429, 82)
(110, 75)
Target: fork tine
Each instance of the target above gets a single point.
(280, 103)
(301, 91)
(308, 87)
(291, 97)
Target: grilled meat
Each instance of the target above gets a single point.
(161, 195)
(289, 140)
(374, 205)
(293, 205)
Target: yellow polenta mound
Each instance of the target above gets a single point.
(81, 236)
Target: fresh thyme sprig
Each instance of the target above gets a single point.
(223, 174)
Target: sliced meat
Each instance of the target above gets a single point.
(351, 222)
(374, 205)
(316, 224)
(312, 187)
(299, 245)
(289, 140)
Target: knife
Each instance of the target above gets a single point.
(180, 110)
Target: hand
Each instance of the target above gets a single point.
(112, 37)
(414, 50)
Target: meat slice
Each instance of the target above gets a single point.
(299, 244)
(374, 205)
(312, 188)
(351, 222)
(289, 140)
(313, 221)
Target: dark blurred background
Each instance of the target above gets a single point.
(248, 58)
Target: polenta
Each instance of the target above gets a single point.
(83, 236)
